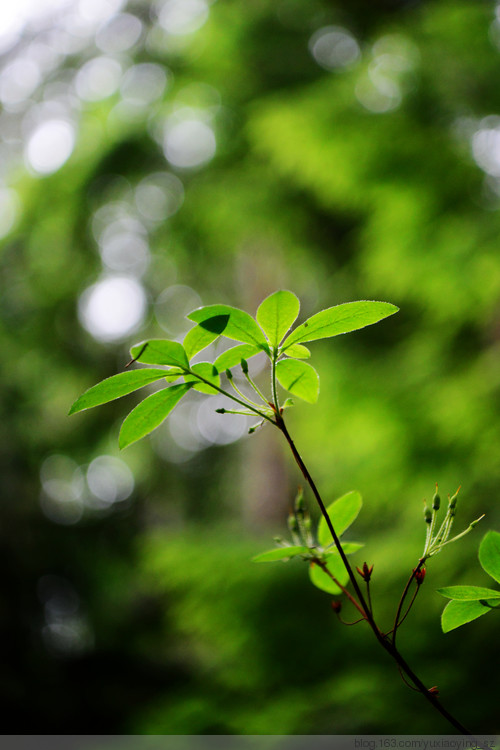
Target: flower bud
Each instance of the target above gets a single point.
(299, 501)
(336, 606)
(244, 366)
(366, 572)
(419, 576)
(436, 500)
(229, 374)
(427, 514)
(452, 503)
(220, 411)
(293, 524)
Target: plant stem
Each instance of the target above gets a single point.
(386, 644)
(397, 621)
(246, 404)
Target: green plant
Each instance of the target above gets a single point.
(330, 569)
(470, 602)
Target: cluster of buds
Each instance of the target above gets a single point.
(436, 540)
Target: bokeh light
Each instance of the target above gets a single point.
(189, 141)
(109, 480)
(98, 79)
(159, 196)
(50, 146)
(172, 306)
(180, 17)
(62, 498)
(112, 308)
(334, 47)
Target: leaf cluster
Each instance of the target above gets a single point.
(268, 332)
(470, 602)
(326, 569)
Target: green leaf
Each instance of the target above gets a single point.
(232, 357)
(150, 413)
(160, 352)
(298, 378)
(117, 386)
(297, 351)
(276, 314)
(280, 553)
(208, 371)
(239, 326)
(323, 581)
(459, 613)
(342, 513)
(489, 554)
(198, 338)
(340, 319)
(468, 593)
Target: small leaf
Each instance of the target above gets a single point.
(489, 554)
(276, 314)
(150, 413)
(333, 321)
(323, 581)
(117, 386)
(280, 553)
(232, 357)
(198, 338)
(342, 513)
(298, 351)
(298, 378)
(458, 613)
(160, 352)
(468, 593)
(239, 326)
(208, 371)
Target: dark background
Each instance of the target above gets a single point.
(159, 156)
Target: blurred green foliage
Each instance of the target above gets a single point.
(357, 157)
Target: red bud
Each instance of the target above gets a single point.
(419, 576)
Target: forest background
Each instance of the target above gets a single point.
(156, 156)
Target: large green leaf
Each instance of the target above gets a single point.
(276, 314)
(232, 357)
(150, 413)
(340, 319)
(469, 593)
(280, 553)
(298, 378)
(198, 337)
(459, 613)
(160, 352)
(207, 371)
(342, 513)
(323, 581)
(489, 554)
(117, 386)
(240, 326)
